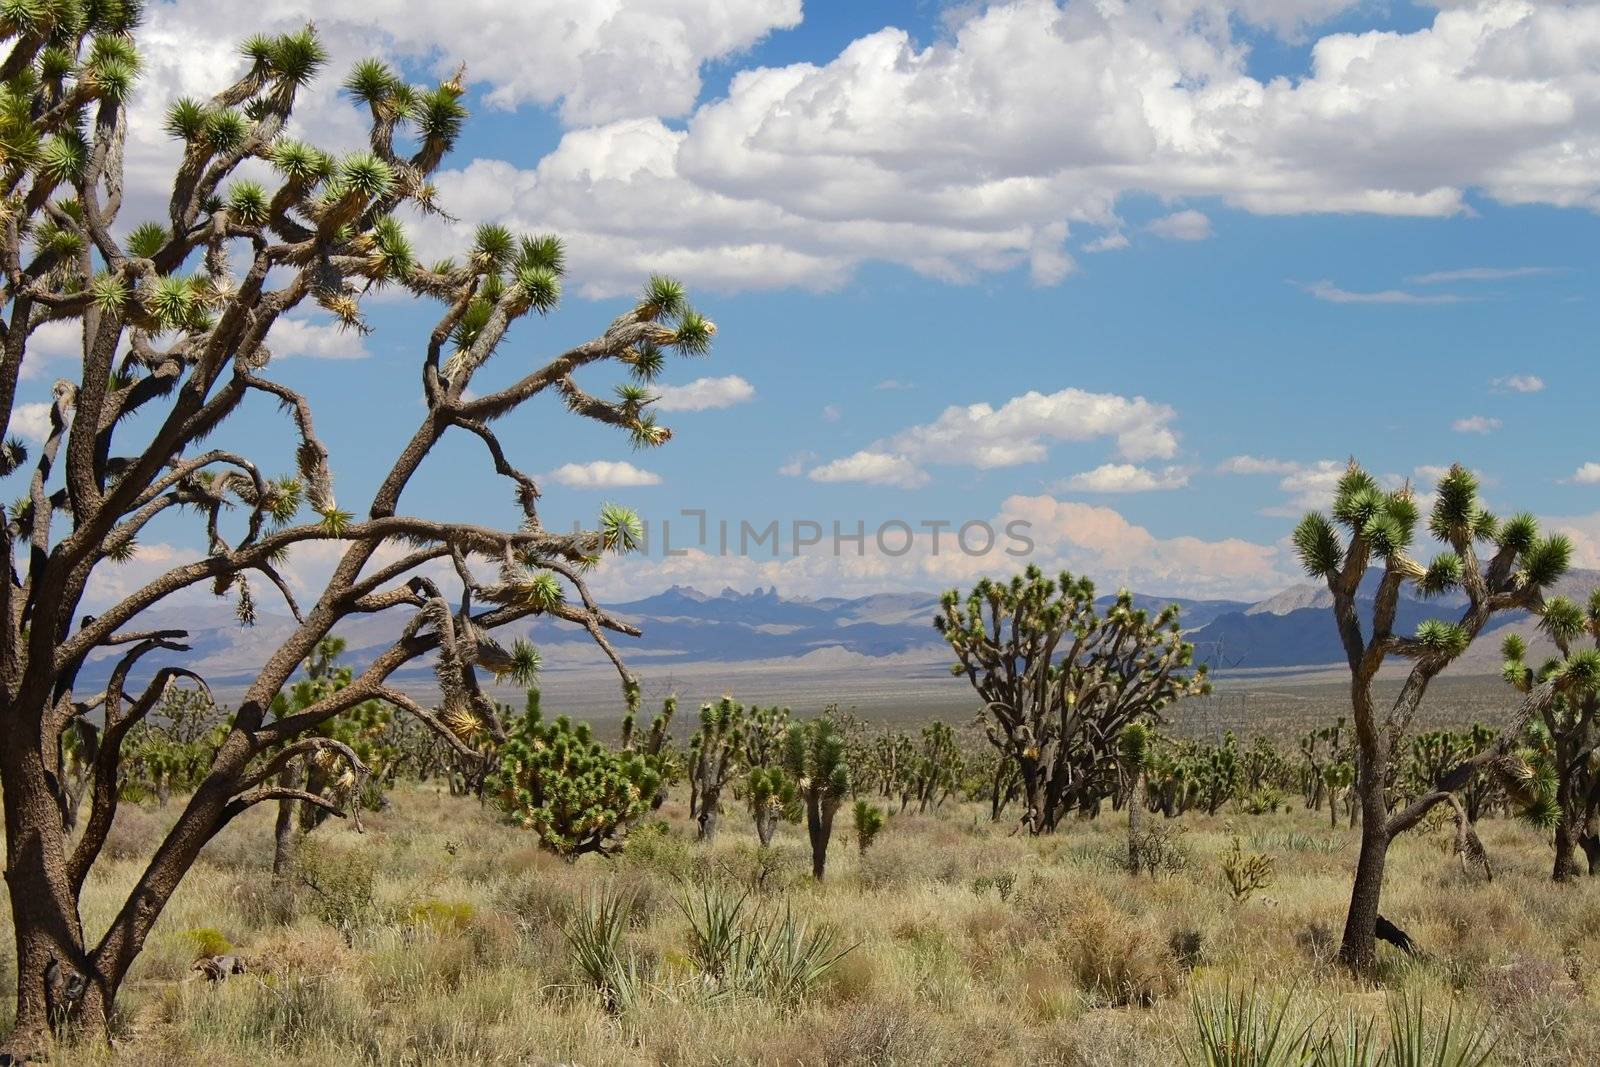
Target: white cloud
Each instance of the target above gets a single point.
(894, 385)
(603, 474)
(1126, 478)
(1114, 241)
(704, 394)
(872, 468)
(1588, 474)
(1519, 383)
(1256, 465)
(1021, 430)
(1182, 226)
(948, 160)
(1086, 539)
(51, 343)
(1480, 424)
(295, 336)
(1326, 290)
(832, 413)
(1477, 274)
(979, 435)
(1310, 487)
(31, 420)
(597, 60)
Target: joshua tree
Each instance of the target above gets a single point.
(577, 795)
(772, 796)
(814, 756)
(713, 761)
(868, 819)
(1133, 747)
(936, 772)
(174, 341)
(1319, 748)
(1217, 773)
(1570, 725)
(1437, 751)
(1379, 528)
(1059, 680)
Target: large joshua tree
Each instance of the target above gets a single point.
(1060, 680)
(1371, 529)
(174, 317)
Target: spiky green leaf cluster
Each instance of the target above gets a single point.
(621, 529)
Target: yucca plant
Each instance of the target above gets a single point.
(594, 937)
(1457, 1041)
(1242, 1028)
(716, 925)
(781, 958)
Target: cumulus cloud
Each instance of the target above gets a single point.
(1052, 533)
(1307, 486)
(1333, 294)
(704, 394)
(872, 468)
(297, 336)
(31, 420)
(1126, 478)
(1519, 383)
(1114, 241)
(948, 160)
(54, 342)
(597, 61)
(1588, 474)
(1021, 431)
(1182, 226)
(1480, 424)
(603, 474)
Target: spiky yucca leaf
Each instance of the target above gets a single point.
(1318, 545)
(663, 298)
(621, 529)
(1440, 638)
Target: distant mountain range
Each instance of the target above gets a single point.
(684, 626)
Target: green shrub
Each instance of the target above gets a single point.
(208, 942)
(338, 884)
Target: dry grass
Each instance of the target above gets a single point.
(970, 946)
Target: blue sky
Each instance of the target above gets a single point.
(1236, 230)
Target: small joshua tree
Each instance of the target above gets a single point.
(713, 761)
(174, 319)
(354, 734)
(579, 796)
(1134, 750)
(1059, 680)
(814, 756)
(655, 742)
(772, 797)
(1571, 722)
(868, 819)
(936, 772)
(1373, 528)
